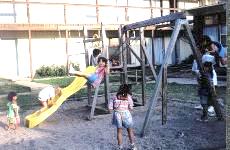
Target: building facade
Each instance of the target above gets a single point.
(46, 32)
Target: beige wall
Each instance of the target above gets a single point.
(75, 14)
(48, 47)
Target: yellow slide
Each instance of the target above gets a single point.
(37, 117)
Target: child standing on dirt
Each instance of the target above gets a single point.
(206, 89)
(47, 94)
(121, 104)
(13, 118)
(95, 78)
(206, 58)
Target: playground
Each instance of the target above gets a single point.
(164, 113)
(68, 127)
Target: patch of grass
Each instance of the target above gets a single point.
(183, 92)
(25, 102)
(3, 102)
(179, 91)
(65, 81)
(62, 82)
(6, 86)
(29, 101)
(115, 78)
(83, 92)
(174, 91)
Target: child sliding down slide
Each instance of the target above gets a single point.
(96, 78)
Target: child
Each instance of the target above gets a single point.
(121, 105)
(94, 57)
(205, 89)
(48, 93)
(215, 49)
(206, 58)
(115, 61)
(96, 78)
(13, 118)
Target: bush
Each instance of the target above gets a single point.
(51, 71)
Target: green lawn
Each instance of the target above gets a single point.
(29, 101)
(61, 81)
(26, 102)
(6, 86)
(174, 91)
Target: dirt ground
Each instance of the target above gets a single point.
(68, 129)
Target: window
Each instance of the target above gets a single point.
(223, 35)
(211, 20)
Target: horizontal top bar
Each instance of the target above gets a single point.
(154, 21)
(54, 27)
(93, 40)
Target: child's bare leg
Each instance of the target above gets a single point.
(119, 136)
(15, 126)
(131, 135)
(44, 104)
(9, 126)
(82, 74)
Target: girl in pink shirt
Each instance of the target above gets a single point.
(96, 78)
(121, 104)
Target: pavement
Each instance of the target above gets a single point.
(34, 86)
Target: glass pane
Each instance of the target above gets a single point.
(209, 20)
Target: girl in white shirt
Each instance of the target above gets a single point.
(48, 93)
